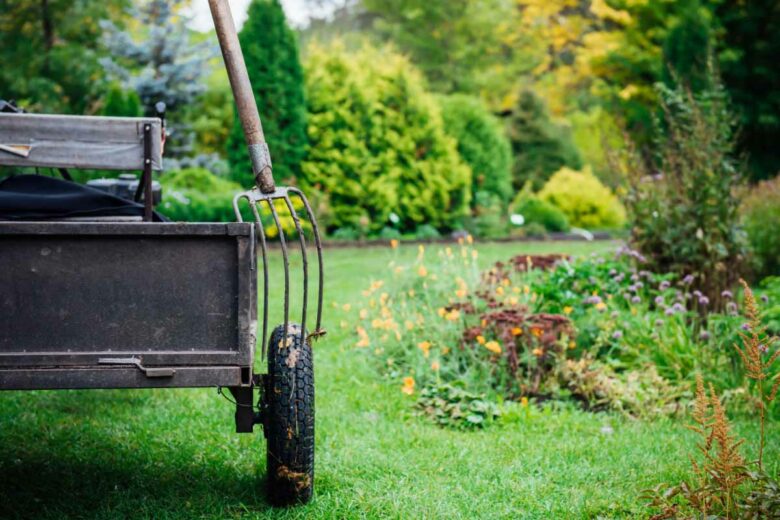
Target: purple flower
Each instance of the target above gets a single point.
(765, 298)
(593, 299)
(678, 307)
(639, 285)
(697, 293)
(664, 285)
(688, 280)
(704, 335)
(726, 294)
(763, 348)
(704, 301)
(659, 300)
(669, 311)
(614, 314)
(731, 307)
(634, 277)
(636, 299)
(612, 272)
(592, 280)
(659, 322)
(745, 326)
(617, 334)
(619, 278)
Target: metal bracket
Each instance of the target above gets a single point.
(136, 362)
(145, 185)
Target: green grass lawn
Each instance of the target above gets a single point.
(173, 453)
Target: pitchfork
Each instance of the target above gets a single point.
(265, 191)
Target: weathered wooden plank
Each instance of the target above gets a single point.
(110, 143)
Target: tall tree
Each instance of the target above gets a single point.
(271, 54)
(49, 53)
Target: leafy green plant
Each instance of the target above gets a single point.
(583, 199)
(378, 144)
(683, 209)
(760, 214)
(450, 405)
(488, 218)
(197, 195)
(537, 211)
(482, 144)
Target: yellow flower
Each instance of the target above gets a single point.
(363, 314)
(526, 289)
(505, 282)
(516, 290)
(435, 366)
(537, 352)
(633, 311)
(411, 293)
(474, 254)
(346, 307)
(425, 346)
(483, 323)
(445, 350)
(524, 401)
(453, 315)
(422, 271)
(469, 239)
(448, 251)
(601, 306)
(517, 331)
(499, 290)
(512, 300)
(481, 340)
(390, 361)
(567, 310)
(493, 346)
(408, 386)
(441, 311)
(572, 344)
(393, 243)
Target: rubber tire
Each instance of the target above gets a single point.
(289, 418)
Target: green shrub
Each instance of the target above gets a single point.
(539, 146)
(583, 199)
(482, 143)
(761, 219)
(197, 195)
(377, 142)
(121, 103)
(426, 232)
(536, 211)
(271, 53)
(488, 218)
(683, 208)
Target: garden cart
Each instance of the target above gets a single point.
(97, 291)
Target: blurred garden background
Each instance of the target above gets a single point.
(634, 377)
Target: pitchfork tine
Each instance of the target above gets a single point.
(318, 243)
(261, 229)
(283, 243)
(305, 265)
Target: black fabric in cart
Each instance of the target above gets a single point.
(37, 197)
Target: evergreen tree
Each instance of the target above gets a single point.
(164, 64)
(271, 54)
(540, 146)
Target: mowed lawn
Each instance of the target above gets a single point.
(174, 453)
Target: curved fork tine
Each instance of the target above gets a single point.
(236, 209)
(302, 240)
(318, 242)
(283, 243)
(263, 250)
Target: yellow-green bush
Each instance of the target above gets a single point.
(584, 200)
(377, 142)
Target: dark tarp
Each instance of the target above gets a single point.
(37, 197)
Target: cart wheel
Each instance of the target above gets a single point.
(289, 417)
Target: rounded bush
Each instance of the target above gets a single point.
(537, 211)
(377, 142)
(585, 201)
(482, 143)
(197, 195)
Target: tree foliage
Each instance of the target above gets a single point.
(377, 142)
(482, 144)
(540, 147)
(271, 54)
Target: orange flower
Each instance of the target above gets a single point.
(408, 386)
(481, 340)
(453, 315)
(435, 366)
(422, 271)
(393, 243)
(441, 311)
(537, 352)
(493, 346)
(346, 307)
(536, 331)
(425, 346)
(517, 331)
(363, 314)
(445, 350)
